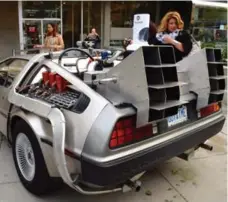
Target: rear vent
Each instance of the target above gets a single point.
(162, 79)
(82, 104)
(216, 74)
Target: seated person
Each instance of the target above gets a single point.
(170, 32)
(93, 36)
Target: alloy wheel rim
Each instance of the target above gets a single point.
(25, 156)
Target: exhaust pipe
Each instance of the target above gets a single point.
(206, 146)
(134, 185)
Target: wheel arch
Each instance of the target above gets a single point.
(42, 129)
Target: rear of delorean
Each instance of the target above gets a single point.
(159, 109)
(127, 118)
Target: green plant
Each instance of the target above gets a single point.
(208, 44)
(224, 53)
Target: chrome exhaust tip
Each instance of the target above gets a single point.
(134, 185)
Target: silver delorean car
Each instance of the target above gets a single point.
(99, 124)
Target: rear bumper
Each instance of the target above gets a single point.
(115, 172)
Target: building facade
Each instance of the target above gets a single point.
(23, 23)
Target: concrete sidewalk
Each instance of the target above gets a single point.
(202, 179)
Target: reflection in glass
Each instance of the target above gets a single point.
(55, 22)
(91, 17)
(122, 12)
(71, 22)
(209, 26)
(32, 33)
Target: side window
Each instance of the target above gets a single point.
(38, 76)
(15, 67)
(4, 64)
(3, 71)
(9, 69)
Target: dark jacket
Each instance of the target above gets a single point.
(95, 38)
(182, 37)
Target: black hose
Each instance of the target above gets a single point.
(73, 49)
(77, 68)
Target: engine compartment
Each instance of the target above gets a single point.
(55, 90)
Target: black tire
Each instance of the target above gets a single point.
(41, 183)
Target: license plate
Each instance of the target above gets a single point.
(180, 117)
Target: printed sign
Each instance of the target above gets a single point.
(141, 28)
(32, 29)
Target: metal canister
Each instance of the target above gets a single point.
(59, 83)
(45, 76)
(52, 79)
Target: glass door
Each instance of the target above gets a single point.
(45, 22)
(71, 19)
(91, 17)
(32, 33)
(34, 17)
(55, 22)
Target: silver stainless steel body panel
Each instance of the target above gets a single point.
(97, 142)
(39, 107)
(60, 121)
(4, 103)
(4, 108)
(82, 64)
(42, 129)
(195, 66)
(97, 155)
(131, 86)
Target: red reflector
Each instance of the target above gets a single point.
(128, 123)
(128, 131)
(120, 140)
(128, 138)
(138, 135)
(125, 132)
(119, 125)
(113, 143)
(120, 133)
(148, 130)
(209, 109)
(114, 134)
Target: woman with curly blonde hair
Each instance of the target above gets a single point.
(171, 32)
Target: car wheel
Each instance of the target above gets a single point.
(29, 160)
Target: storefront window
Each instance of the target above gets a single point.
(41, 9)
(91, 16)
(32, 33)
(71, 22)
(209, 26)
(122, 12)
(35, 30)
(57, 23)
(35, 17)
